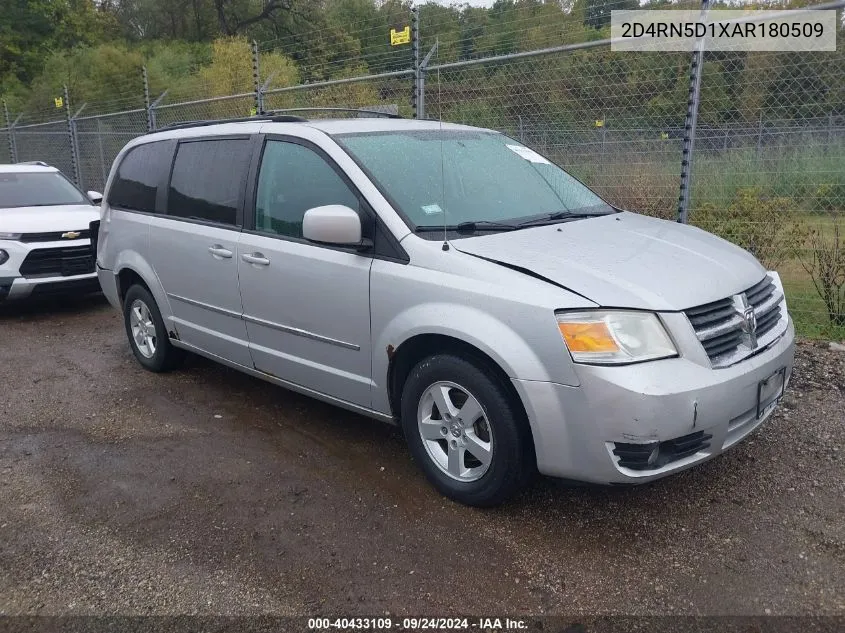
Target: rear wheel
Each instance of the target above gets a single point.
(464, 431)
(147, 333)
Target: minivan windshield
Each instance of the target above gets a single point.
(469, 179)
(37, 189)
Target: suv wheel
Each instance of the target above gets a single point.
(147, 334)
(464, 431)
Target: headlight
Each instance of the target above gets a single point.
(612, 337)
(10, 236)
(4, 256)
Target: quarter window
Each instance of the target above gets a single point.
(208, 180)
(293, 179)
(136, 183)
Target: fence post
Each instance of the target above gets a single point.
(102, 153)
(759, 136)
(256, 80)
(690, 123)
(71, 133)
(151, 111)
(10, 128)
(415, 49)
(147, 107)
(421, 82)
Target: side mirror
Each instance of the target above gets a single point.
(95, 196)
(332, 224)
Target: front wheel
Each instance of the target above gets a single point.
(465, 431)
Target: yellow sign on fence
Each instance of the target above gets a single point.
(59, 101)
(400, 37)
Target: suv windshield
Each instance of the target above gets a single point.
(37, 189)
(469, 179)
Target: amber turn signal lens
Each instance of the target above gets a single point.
(588, 337)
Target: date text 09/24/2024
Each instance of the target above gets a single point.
(417, 624)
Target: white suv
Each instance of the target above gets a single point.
(44, 233)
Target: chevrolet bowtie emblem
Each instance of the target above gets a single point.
(71, 235)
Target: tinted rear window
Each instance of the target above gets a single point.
(135, 185)
(208, 180)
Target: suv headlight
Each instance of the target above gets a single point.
(10, 236)
(614, 337)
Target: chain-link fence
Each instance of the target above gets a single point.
(766, 170)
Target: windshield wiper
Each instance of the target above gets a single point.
(468, 227)
(556, 216)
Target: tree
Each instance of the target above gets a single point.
(597, 12)
(235, 16)
(31, 29)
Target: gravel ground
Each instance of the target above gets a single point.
(208, 492)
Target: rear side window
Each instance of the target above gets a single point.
(208, 180)
(136, 182)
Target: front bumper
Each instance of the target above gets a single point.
(575, 428)
(12, 288)
(15, 284)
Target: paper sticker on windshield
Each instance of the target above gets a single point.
(528, 154)
(432, 209)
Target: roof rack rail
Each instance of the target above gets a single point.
(277, 116)
(259, 117)
(40, 163)
(381, 113)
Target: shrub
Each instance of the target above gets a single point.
(824, 261)
(768, 227)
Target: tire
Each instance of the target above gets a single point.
(154, 352)
(453, 455)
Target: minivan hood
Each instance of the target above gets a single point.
(64, 217)
(626, 260)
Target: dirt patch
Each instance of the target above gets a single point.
(208, 492)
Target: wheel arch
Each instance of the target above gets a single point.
(405, 357)
(131, 268)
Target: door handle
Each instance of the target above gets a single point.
(219, 251)
(256, 258)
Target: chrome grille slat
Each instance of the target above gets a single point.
(772, 302)
(726, 338)
(733, 323)
(708, 308)
(765, 324)
(720, 328)
(759, 292)
(718, 350)
(709, 317)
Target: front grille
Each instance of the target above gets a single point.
(655, 455)
(54, 236)
(720, 325)
(58, 262)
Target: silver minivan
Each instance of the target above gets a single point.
(451, 280)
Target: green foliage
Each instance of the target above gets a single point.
(769, 228)
(597, 12)
(31, 29)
